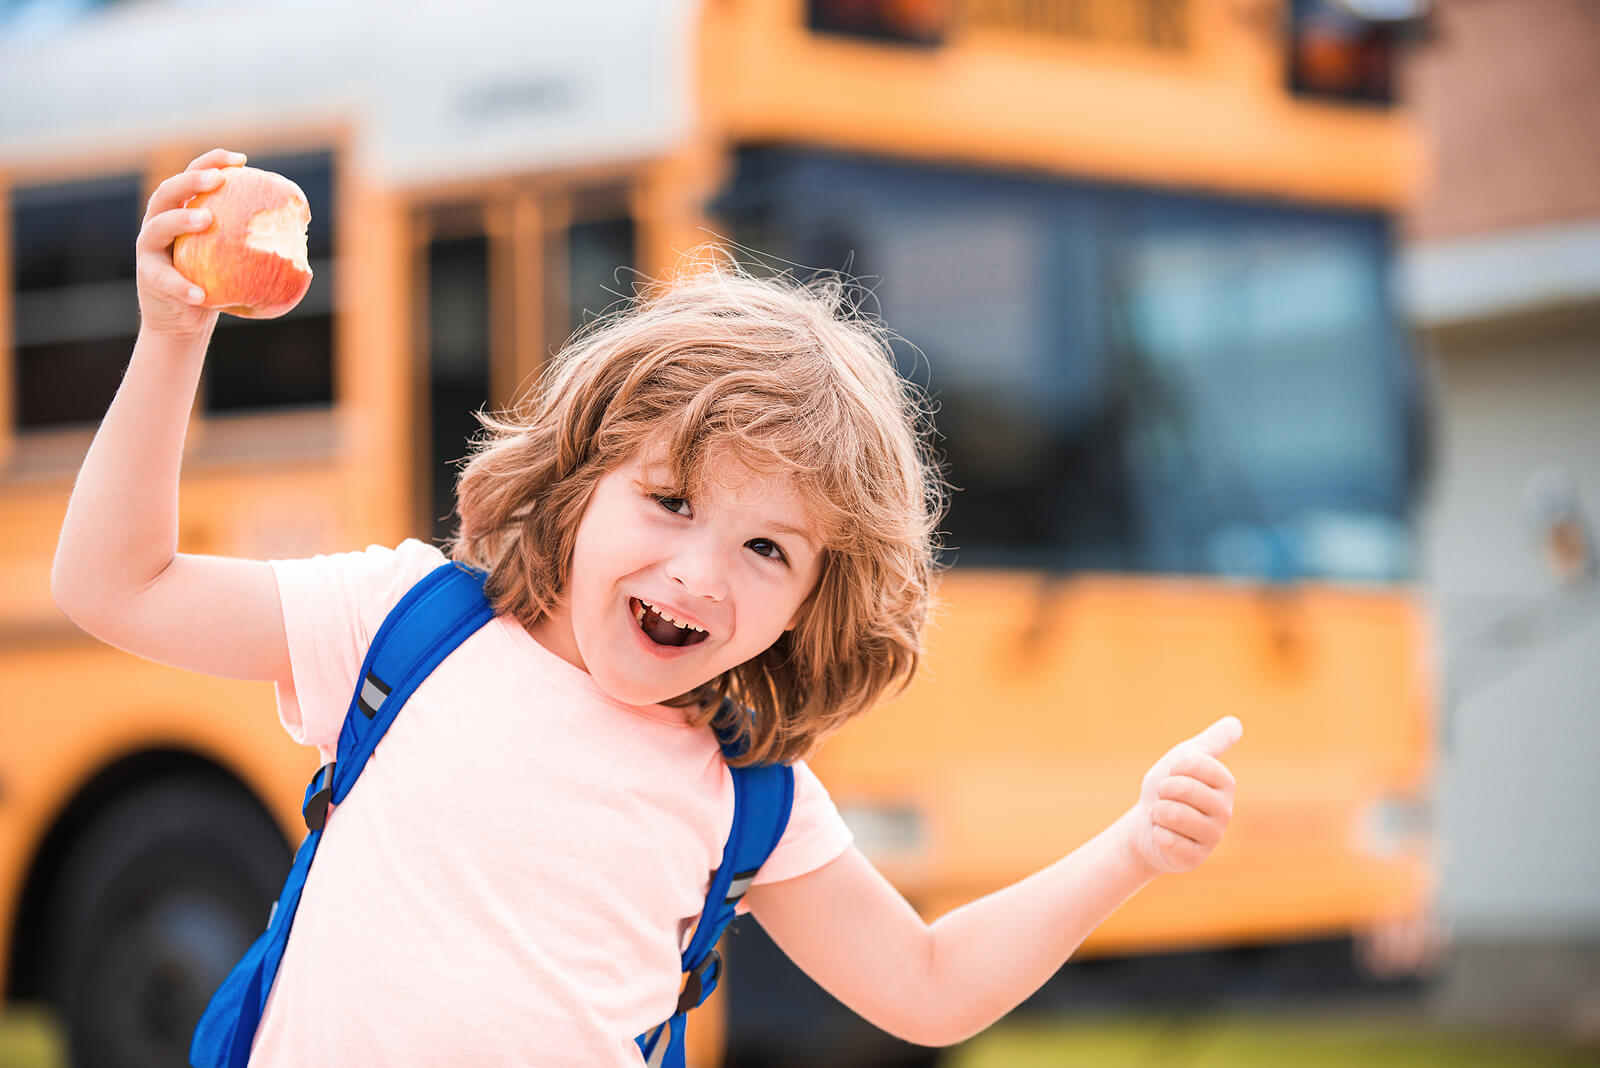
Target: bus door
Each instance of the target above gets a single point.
(502, 279)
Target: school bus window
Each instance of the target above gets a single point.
(1161, 26)
(285, 362)
(75, 310)
(601, 258)
(1084, 344)
(458, 363)
(1304, 473)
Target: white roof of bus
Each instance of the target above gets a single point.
(433, 91)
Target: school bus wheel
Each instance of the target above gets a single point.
(158, 898)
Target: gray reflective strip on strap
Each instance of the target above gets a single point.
(658, 1055)
(373, 691)
(739, 887)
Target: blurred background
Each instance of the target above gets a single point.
(1265, 340)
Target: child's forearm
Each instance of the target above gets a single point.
(934, 985)
(121, 527)
(988, 956)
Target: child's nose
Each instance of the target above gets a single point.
(700, 572)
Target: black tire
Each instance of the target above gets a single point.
(159, 897)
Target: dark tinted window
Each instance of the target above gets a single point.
(75, 310)
(1126, 378)
(70, 234)
(458, 363)
(600, 261)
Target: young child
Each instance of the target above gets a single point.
(721, 492)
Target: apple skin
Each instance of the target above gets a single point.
(251, 260)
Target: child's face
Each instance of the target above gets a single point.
(736, 562)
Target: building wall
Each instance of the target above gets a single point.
(1507, 91)
(1520, 805)
(1504, 242)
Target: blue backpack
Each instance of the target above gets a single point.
(433, 618)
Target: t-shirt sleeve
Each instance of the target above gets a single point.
(332, 607)
(815, 835)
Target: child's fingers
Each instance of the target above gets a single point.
(161, 230)
(217, 157)
(1208, 769)
(175, 191)
(1214, 802)
(1180, 853)
(154, 266)
(165, 279)
(1187, 822)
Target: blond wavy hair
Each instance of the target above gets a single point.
(789, 378)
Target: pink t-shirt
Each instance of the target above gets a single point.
(514, 875)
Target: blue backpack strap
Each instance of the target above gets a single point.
(763, 795)
(431, 620)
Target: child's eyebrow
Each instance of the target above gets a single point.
(799, 532)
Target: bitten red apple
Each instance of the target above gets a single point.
(251, 260)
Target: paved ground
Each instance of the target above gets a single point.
(1509, 1005)
(1529, 988)
(1227, 1041)
(1337, 1038)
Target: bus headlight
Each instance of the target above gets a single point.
(887, 833)
(1395, 824)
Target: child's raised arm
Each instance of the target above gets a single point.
(117, 573)
(853, 933)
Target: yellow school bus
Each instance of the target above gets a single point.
(1138, 251)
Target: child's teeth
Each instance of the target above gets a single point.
(639, 617)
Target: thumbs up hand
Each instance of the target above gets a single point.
(1185, 802)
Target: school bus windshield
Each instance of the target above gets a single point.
(1127, 379)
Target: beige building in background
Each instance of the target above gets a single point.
(1502, 280)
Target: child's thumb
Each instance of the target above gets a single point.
(1220, 736)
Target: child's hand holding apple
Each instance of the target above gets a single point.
(237, 237)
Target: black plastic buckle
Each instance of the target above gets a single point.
(319, 793)
(689, 997)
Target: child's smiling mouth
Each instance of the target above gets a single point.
(661, 628)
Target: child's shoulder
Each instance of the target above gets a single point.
(411, 558)
(386, 572)
(414, 553)
(365, 582)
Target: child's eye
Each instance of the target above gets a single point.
(766, 548)
(675, 505)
